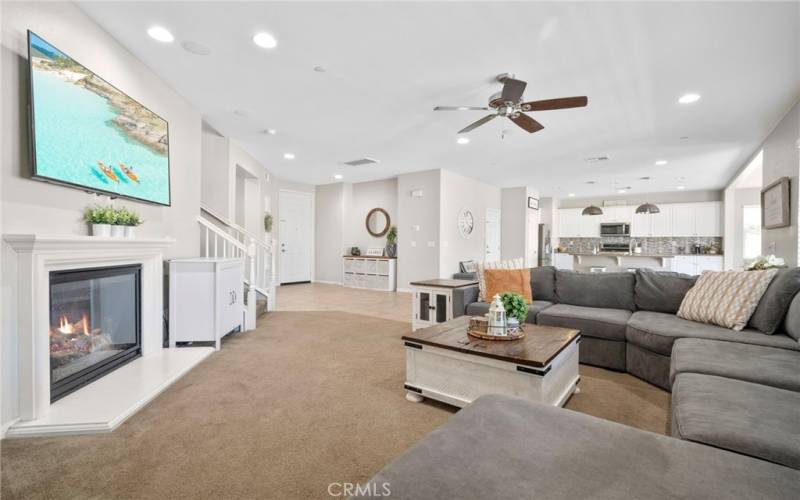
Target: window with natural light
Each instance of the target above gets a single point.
(751, 230)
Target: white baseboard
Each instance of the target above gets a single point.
(405, 290)
(5, 427)
(325, 282)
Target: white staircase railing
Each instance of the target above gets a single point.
(223, 238)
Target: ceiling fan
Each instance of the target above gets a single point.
(509, 103)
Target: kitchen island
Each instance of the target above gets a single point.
(624, 261)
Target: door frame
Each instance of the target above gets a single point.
(499, 213)
(312, 254)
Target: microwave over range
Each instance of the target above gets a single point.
(615, 229)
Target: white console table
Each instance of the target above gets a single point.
(374, 273)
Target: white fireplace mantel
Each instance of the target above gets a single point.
(37, 256)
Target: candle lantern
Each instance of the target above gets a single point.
(497, 317)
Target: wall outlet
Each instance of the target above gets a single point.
(413, 243)
(416, 227)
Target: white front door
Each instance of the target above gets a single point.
(492, 234)
(294, 233)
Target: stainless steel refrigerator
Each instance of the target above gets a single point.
(545, 246)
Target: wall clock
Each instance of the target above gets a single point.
(466, 222)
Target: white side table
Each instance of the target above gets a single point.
(433, 301)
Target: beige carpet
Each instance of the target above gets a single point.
(307, 399)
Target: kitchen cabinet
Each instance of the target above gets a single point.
(696, 264)
(564, 261)
(589, 226)
(697, 219)
(647, 225)
(617, 214)
(569, 222)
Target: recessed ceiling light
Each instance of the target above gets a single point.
(681, 188)
(265, 40)
(661, 162)
(288, 156)
(622, 191)
(463, 140)
(160, 34)
(338, 177)
(269, 131)
(689, 98)
(571, 195)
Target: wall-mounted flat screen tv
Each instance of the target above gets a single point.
(90, 135)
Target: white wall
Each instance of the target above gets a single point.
(366, 196)
(329, 231)
(459, 192)
(520, 233)
(215, 189)
(738, 199)
(36, 207)
(782, 159)
(418, 227)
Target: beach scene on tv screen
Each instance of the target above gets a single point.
(90, 134)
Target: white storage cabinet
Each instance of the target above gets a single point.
(206, 299)
(696, 264)
(374, 273)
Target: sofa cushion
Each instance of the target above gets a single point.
(752, 363)
(747, 418)
(534, 308)
(606, 290)
(661, 291)
(726, 298)
(500, 281)
(657, 331)
(772, 308)
(500, 264)
(591, 321)
(791, 325)
(543, 283)
(500, 447)
(465, 276)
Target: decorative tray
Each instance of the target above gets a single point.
(485, 336)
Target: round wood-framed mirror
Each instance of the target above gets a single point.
(378, 222)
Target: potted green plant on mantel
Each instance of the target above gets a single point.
(391, 242)
(109, 221)
(128, 220)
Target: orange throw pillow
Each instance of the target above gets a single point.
(500, 281)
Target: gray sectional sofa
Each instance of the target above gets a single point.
(735, 404)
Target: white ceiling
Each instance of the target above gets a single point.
(389, 64)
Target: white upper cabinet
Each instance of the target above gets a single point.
(590, 226)
(569, 222)
(661, 223)
(681, 220)
(697, 219)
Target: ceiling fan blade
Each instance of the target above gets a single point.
(526, 122)
(512, 90)
(474, 125)
(460, 108)
(550, 104)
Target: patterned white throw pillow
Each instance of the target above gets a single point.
(499, 264)
(726, 298)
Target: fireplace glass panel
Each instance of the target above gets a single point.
(94, 324)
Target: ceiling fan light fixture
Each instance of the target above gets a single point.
(592, 210)
(647, 208)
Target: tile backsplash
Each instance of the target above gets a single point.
(650, 246)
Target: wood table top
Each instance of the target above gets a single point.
(538, 348)
(444, 283)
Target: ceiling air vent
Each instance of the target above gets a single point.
(361, 161)
(596, 159)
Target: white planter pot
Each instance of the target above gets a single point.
(117, 231)
(101, 230)
(130, 231)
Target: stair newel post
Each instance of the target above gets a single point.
(250, 314)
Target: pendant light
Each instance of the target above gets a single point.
(592, 210)
(647, 208)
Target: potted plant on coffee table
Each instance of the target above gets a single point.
(516, 309)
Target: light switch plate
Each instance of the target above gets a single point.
(413, 243)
